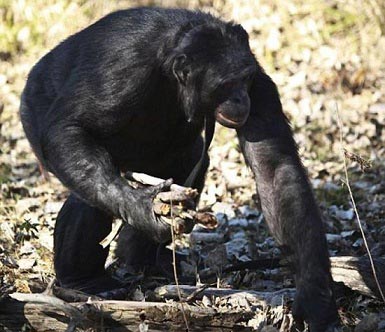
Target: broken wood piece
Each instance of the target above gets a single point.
(164, 209)
(180, 202)
(206, 219)
(180, 199)
(177, 193)
(184, 216)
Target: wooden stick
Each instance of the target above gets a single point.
(149, 180)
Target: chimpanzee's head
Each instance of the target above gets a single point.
(214, 69)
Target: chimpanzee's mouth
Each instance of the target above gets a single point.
(230, 123)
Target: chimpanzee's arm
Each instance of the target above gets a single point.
(83, 165)
(72, 152)
(288, 202)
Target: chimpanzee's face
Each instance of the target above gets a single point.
(215, 74)
(230, 98)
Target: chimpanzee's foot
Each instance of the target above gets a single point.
(135, 250)
(103, 286)
(139, 254)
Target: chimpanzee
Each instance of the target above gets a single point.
(134, 91)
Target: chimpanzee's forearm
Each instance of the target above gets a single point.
(83, 166)
(286, 196)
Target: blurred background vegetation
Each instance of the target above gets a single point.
(318, 52)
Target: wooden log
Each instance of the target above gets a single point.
(356, 273)
(40, 312)
(114, 316)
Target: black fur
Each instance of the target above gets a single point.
(130, 92)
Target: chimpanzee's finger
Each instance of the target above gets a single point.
(164, 186)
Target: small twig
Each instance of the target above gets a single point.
(175, 271)
(355, 207)
(116, 228)
(49, 289)
(192, 297)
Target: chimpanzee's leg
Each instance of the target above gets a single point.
(79, 258)
(136, 249)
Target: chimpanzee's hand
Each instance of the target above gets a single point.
(137, 210)
(315, 305)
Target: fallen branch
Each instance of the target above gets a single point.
(258, 298)
(49, 300)
(353, 272)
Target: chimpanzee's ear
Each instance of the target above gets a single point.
(181, 69)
